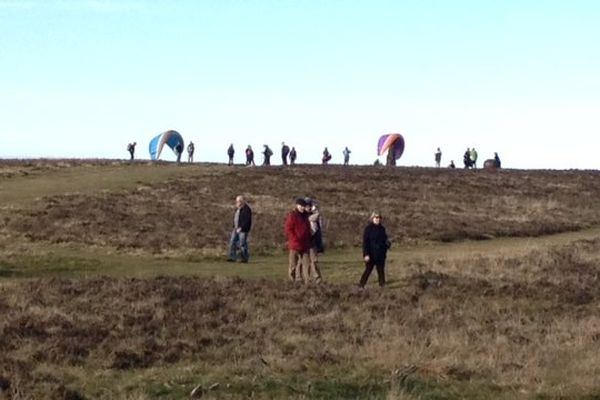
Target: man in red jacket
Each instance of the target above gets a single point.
(297, 231)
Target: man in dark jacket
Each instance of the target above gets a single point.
(297, 231)
(285, 150)
(375, 247)
(230, 154)
(242, 222)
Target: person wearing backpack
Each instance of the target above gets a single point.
(131, 149)
(267, 153)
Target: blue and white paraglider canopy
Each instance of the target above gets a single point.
(171, 138)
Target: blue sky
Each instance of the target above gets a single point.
(84, 78)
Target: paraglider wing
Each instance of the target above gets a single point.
(393, 141)
(170, 138)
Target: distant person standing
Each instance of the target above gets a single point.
(285, 151)
(249, 156)
(452, 164)
(497, 162)
(346, 153)
(467, 158)
(326, 156)
(473, 156)
(230, 154)
(190, 150)
(293, 156)
(375, 247)
(131, 150)
(438, 157)
(297, 232)
(179, 151)
(242, 222)
(267, 153)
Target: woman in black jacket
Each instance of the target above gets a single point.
(375, 247)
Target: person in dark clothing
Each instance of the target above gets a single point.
(375, 247)
(242, 222)
(230, 153)
(179, 151)
(267, 153)
(467, 158)
(452, 164)
(285, 151)
(131, 149)
(497, 161)
(249, 156)
(326, 156)
(293, 156)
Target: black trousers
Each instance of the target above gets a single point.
(380, 265)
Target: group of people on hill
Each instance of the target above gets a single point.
(469, 159)
(304, 234)
(288, 155)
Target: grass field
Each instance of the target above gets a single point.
(113, 284)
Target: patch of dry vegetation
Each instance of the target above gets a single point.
(418, 204)
(502, 327)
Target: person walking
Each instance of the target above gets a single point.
(190, 150)
(375, 247)
(293, 156)
(316, 243)
(346, 153)
(131, 150)
(242, 222)
(297, 232)
(250, 156)
(285, 151)
(438, 157)
(473, 157)
(326, 156)
(230, 154)
(267, 153)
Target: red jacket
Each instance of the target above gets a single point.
(297, 230)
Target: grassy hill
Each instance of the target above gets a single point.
(113, 284)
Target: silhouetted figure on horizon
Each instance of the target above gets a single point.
(131, 150)
(230, 154)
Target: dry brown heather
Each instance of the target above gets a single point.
(492, 327)
(417, 203)
(503, 325)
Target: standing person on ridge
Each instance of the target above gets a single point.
(190, 150)
(326, 156)
(297, 232)
(473, 157)
(131, 150)
(467, 158)
(179, 151)
(293, 156)
(375, 247)
(497, 162)
(242, 222)
(438, 157)
(249, 156)
(346, 153)
(230, 154)
(285, 151)
(267, 153)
